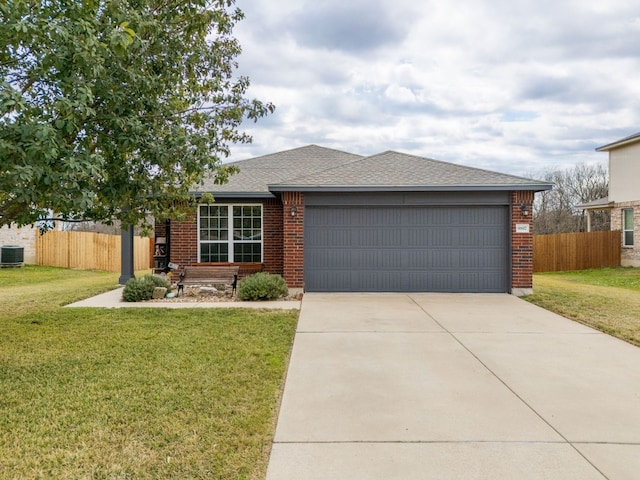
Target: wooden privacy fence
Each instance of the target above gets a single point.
(576, 251)
(88, 251)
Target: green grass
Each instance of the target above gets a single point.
(606, 299)
(133, 393)
(32, 289)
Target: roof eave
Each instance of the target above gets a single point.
(538, 187)
(599, 204)
(235, 194)
(620, 143)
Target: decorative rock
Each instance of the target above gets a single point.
(208, 289)
(159, 292)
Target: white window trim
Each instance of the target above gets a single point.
(230, 241)
(625, 230)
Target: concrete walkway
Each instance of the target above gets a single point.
(454, 386)
(113, 299)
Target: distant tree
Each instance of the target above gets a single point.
(114, 109)
(556, 211)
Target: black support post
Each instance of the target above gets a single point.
(126, 259)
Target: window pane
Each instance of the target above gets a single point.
(628, 219)
(247, 252)
(257, 223)
(204, 234)
(257, 211)
(237, 211)
(214, 252)
(628, 238)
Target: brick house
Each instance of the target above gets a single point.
(334, 221)
(624, 196)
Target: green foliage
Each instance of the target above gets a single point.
(140, 289)
(262, 286)
(158, 281)
(114, 110)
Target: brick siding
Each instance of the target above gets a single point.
(293, 239)
(521, 243)
(24, 237)
(272, 236)
(630, 256)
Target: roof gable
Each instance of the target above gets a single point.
(256, 174)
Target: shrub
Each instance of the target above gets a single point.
(159, 281)
(262, 286)
(139, 289)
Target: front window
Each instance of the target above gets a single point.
(627, 227)
(230, 233)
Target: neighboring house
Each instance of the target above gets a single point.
(24, 237)
(624, 195)
(333, 221)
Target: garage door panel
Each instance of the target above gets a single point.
(406, 248)
(377, 237)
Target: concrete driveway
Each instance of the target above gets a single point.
(454, 386)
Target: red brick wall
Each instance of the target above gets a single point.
(272, 236)
(293, 239)
(522, 243)
(184, 238)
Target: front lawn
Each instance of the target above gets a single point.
(133, 393)
(607, 299)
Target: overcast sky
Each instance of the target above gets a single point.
(514, 86)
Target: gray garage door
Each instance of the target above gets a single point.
(406, 249)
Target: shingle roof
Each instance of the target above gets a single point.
(316, 168)
(399, 171)
(258, 173)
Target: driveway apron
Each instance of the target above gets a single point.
(454, 386)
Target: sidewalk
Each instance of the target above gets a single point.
(113, 299)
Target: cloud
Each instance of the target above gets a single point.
(353, 27)
(509, 85)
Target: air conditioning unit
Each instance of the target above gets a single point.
(11, 256)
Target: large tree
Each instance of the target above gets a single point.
(115, 109)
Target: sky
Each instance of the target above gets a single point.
(515, 86)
